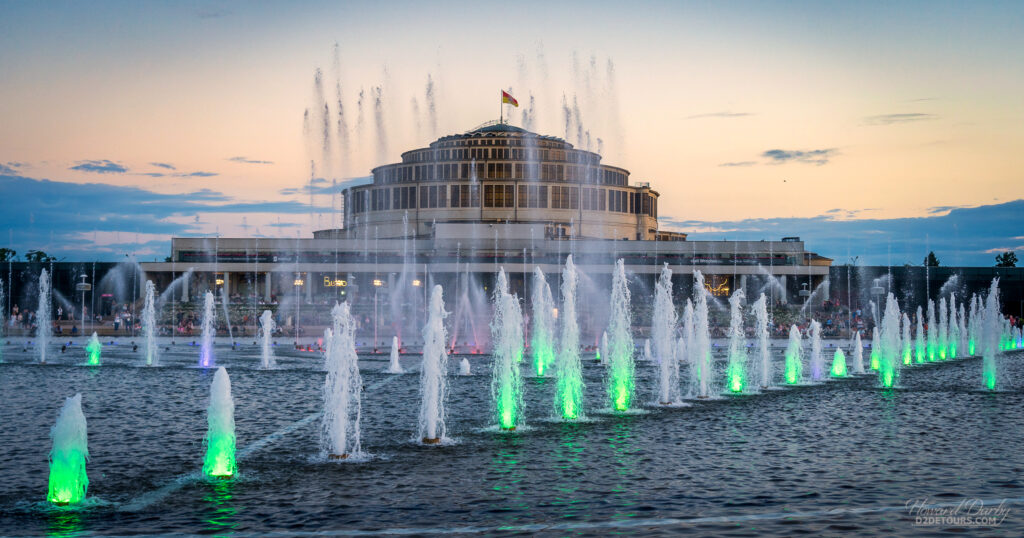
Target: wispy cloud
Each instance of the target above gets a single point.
(312, 188)
(164, 165)
(8, 170)
(890, 119)
(739, 163)
(246, 160)
(815, 156)
(99, 167)
(720, 115)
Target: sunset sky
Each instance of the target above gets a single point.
(878, 130)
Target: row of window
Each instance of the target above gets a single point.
(499, 170)
(505, 196)
(515, 154)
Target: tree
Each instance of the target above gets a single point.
(930, 260)
(39, 256)
(1006, 259)
(7, 255)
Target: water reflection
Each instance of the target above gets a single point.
(222, 519)
(624, 456)
(64, 522)
(571, 469)
(507, 474)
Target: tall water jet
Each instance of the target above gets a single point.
(394, 366)
(858, 354)
(620, 343)
(943, 337)
(663, 329)
(991, 322)
(962, 330)
(920, 349)
(760, 309)
(817, 363)
(794, 363)
(93, 350)
(906, 342)
(953, 330)
(70, 452)
(267, 327)
(43, 320)
(701, 368)
(149, 323)
(568, 368)
(543, 324)
(931, 341)
(343, 389)
(973, 325)
(602, 350)
(464, 368)
(876, 348)
(890, 343)
(433, 385)
(209, 330)
(507, 334)
(838, 364)
(220, 433)
(736, 372)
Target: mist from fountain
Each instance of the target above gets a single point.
(736, 371)
(433, 373)
(701, 367)
(220, 434)
(794, 363)
(69, 481)
(663, 329)
(206, 358)
(507, 335)
(93, 350)
(267, 327)
(621, 365)
(568, 366)
(44, 321)
(764, 358)
(542, 344)
(343, 388)
(817, 363)
(149, 324)
(858, 354)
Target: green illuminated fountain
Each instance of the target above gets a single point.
(876, 348)
(919, 345)
(931, 341)
(794, 364)
(620, 344)
(507, 335)
(905, 341)
(991, 329)
(542, 342)
(568, 368)
(888, 354)
(838, 364)
(70, 452)
(220, 433)
(736, 371)
(93, 350)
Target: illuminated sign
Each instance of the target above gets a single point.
(377, 282)
(220, 281)
(416, 283)
(717, 285)
(299, 282)
(334, 283)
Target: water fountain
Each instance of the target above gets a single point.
(464, 368)
(736, 372)
(568, 367)
(206, 358)
(760, 309)
(70, 452)
(858, 354)
(149, 324)
(220, 433)
(794, 363)
(393, 365)
(817, 364)
(699, 346)
(645, 354)
(838, 364)
(953, 330)
(267, 327)
(991, 322)
(93, 349)
(343, 388)
(663, 329)
(3, 321)
(888, 369)
(962, 330)
(973, 326)
(433, 385)
(43, 319)
(920, 349)
(943, 336)
(620, 343)
(542, 342)
(931, 339)
(507, 335)
(876, 348)
(905, 341)
(602, 350)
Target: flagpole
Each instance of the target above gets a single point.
(501, 106)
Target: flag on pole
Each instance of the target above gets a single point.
(506, 98)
